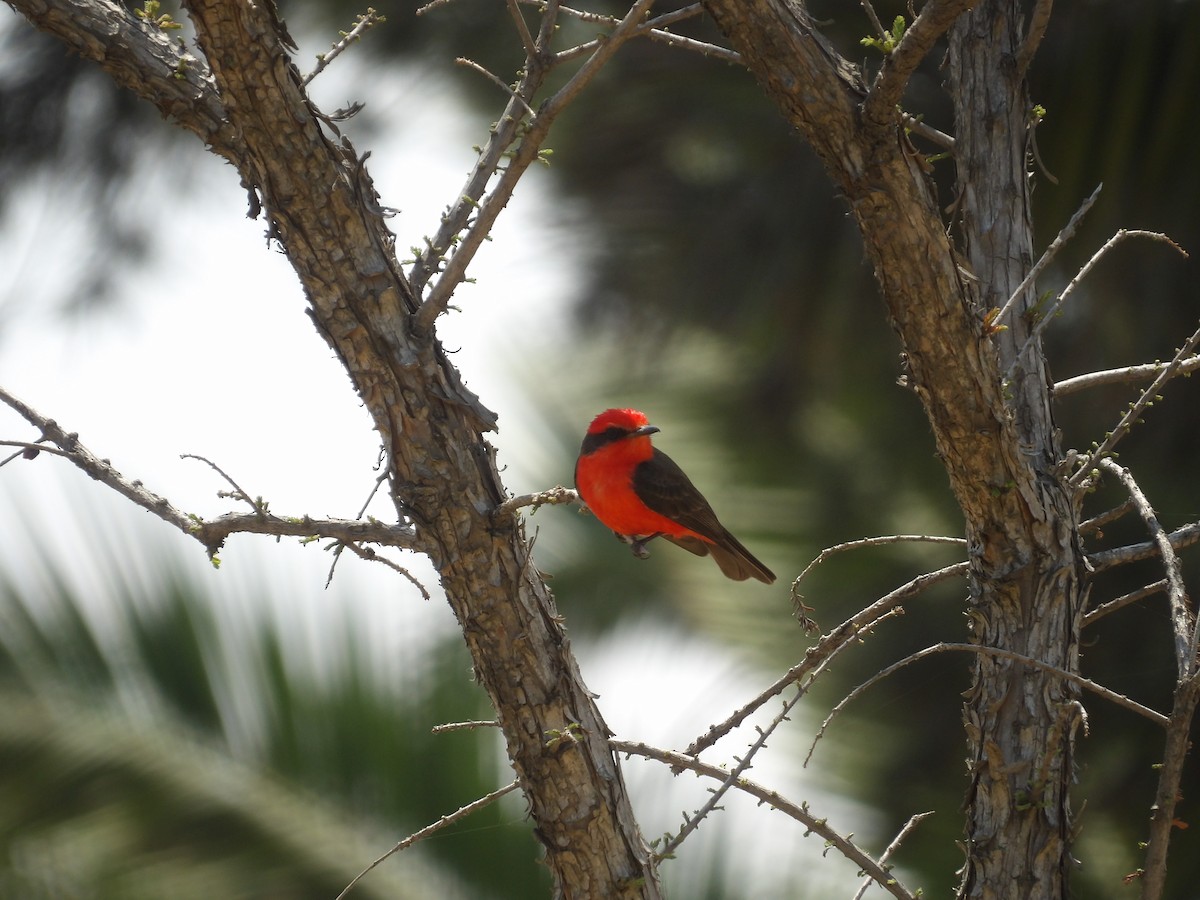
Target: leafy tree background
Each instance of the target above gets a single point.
(723, 292)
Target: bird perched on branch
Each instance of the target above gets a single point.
(640, 493)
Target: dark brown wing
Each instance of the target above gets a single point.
(664, 487)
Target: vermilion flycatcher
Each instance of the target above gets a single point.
(640, 493)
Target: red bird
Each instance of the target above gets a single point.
(640, 493)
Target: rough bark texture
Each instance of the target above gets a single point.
(996, 440)
(321, 208)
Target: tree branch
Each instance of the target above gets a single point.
(880, 109)
(882, 876)
(1123, 375)
(1119, 556)
(817, 658)
(213, 532)
(1183, 624)
(141, 58)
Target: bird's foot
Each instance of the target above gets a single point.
(638, 546)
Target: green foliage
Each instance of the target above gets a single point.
(888, 42)
(149, 13)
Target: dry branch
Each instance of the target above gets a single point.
(880, 875)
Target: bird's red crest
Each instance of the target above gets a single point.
(628, 419)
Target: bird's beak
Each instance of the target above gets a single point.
(645, 430)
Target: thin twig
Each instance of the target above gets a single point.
(425, 832)
(553, 496)
(1048, 255)
(1167, 793)
(1095, 523)
(1083, 476)
(1124, 600)
(370, 555)
(238, 492)
(874, 542)
(1106, 693)
(361, 26)
(463, 726)
(471, 64)
(826, 648)
(931, 134)
(525, 154)
(212, 532)
(909, 826)
(1047, 315)
(1123, 375)
(1119, 556)
(1182, 621)
(692, 822)
(522, 28)
(799, 812)
(880, 31)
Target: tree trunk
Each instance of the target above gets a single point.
(996, 439)
(1027, 574)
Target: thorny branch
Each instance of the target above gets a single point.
(1123, 375)
(947, 646)
(1183, 623)
(1084, 477)
(1048, 314)
(817, 658)
(874, 869)
(211, 532)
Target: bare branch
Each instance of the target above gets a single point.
(1083, 476)
(553, 496)
(211, 533)
(527, 41)
(257, 505)
(879, 109)
(143, 59)
(692, 822)
(370, 555)
(1106, 693)
(363, 24)
(1124, 600)
(880, 31)
(1048, 255)
(494, 79)
(425, 832)
(931, 134)
(882, 876)
(1095, 523)
(1038, 20)
(818, 656)
(463, 726)
(909, 826)
(538, 128)
(1182, 622)
(1167, 794)
(1048, 314)
(874, 542)
(1119, 556)
(1123, 375)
